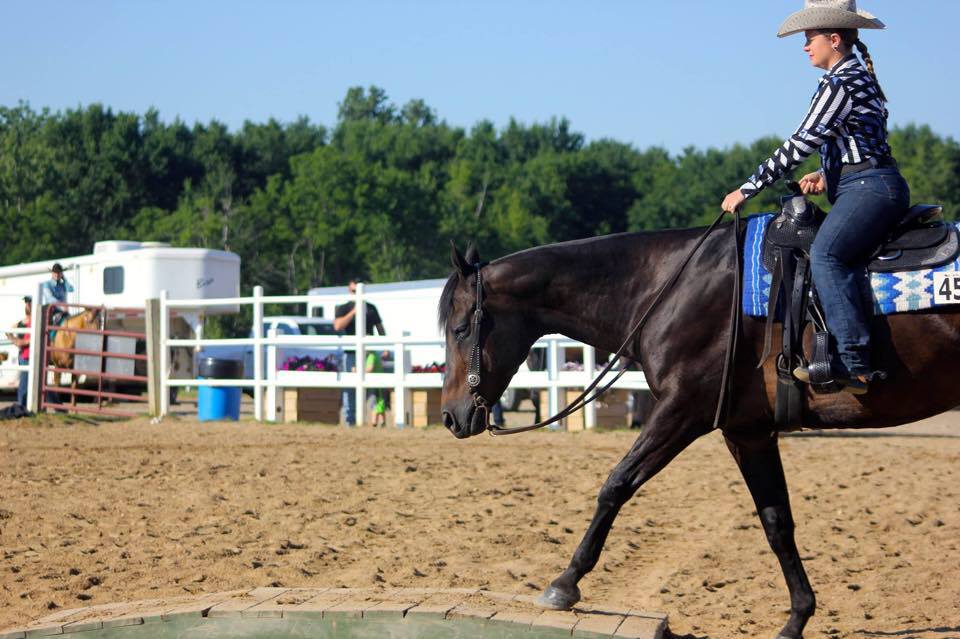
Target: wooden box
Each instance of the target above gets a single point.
(311, 405)
(425, 407)
(611, 409)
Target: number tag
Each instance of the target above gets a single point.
(946, 287)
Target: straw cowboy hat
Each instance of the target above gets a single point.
(829, 14)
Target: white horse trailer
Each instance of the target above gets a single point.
(406, 308)
(125, 274)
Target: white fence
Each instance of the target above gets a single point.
(32, 367)
(267, 380)
(12, 365)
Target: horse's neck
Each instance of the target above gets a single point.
(591, 290)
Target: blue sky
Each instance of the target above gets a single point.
(674, 73)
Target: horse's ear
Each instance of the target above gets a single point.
(473, 254)
(458, 261)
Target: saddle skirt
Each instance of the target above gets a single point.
(922, 250)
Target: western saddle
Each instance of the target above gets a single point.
(921, 240)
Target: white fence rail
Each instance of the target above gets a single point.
(267, 380)
(32, 367)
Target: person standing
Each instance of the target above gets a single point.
(374, 364)
(22, 342)
(847, 122)
(344, 321)
(55, 291)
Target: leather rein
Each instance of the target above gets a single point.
(473, 365)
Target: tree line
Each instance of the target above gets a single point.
(377, 195)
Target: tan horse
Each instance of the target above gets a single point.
(88, 319)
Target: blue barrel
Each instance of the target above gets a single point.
(219, 402)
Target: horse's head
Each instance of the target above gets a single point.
(88, 318)
(492, 345)
(91, 316)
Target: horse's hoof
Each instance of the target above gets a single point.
(554, 598)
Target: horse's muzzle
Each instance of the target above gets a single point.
(474, 422)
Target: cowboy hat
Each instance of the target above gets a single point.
(829, 14)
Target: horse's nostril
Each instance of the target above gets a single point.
(448, 419)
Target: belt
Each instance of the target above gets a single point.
(870, 163)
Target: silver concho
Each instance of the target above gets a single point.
(473, 379)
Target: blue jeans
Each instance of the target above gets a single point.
(349, 395)
(22, 388)
(869, 204)
(496, 411)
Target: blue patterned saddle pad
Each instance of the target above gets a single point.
(892, 292)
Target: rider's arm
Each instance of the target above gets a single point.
(15, 338)
(830, 107)
(341, 322)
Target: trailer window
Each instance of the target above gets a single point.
(113, 280)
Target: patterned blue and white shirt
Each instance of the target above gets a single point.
(847, 122)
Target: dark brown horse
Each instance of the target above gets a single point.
(594, 290)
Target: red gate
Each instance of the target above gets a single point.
(61, 354)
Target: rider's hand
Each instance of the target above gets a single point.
(812, 183)
(733, 201)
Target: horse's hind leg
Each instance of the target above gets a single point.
(668, 431)
(759, 461)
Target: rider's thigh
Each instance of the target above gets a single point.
(865, 212)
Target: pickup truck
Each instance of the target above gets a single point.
(285, 325)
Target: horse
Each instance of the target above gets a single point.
(67, 339)
(594, 290)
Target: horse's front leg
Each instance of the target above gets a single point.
(670, 429)
(759, 461)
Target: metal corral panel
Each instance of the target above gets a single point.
(94, 363)
(88, 342)
(126, 346)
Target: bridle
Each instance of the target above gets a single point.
(473, 364)
(473, 373)
(476, 346)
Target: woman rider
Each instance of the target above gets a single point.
(847, 122)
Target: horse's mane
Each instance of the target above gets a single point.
(446, 297)
(446, 301)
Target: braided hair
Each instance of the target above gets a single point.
(862, 48)
(851, 39)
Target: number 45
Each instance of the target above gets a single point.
(950, 289)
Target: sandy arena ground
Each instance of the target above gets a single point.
(120, 511)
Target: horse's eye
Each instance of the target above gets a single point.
(460, 332)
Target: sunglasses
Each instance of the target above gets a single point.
(810, 39)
